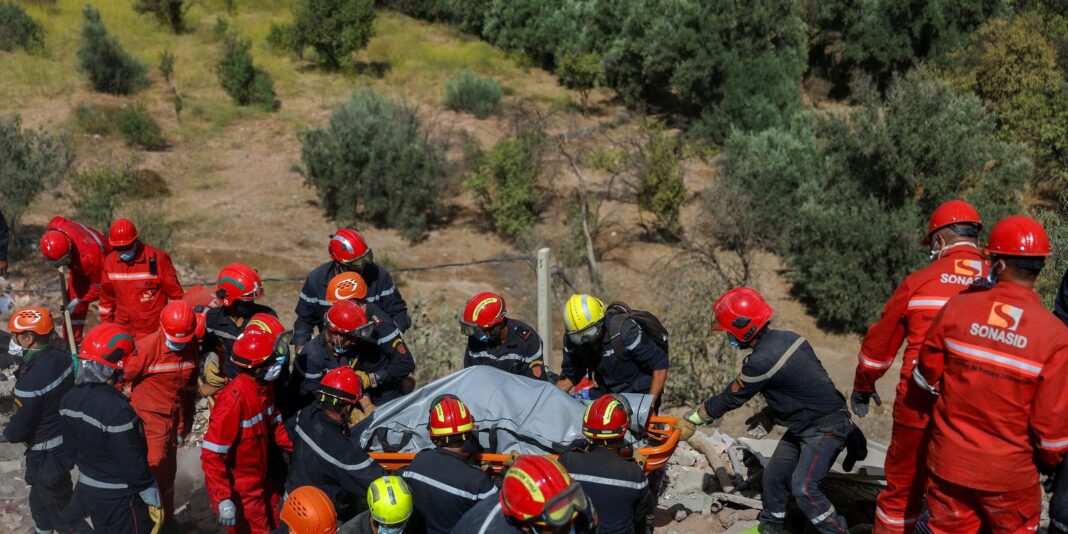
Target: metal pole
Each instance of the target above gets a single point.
(545, 327)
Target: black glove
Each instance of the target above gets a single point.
(856, 446)
(859, 402)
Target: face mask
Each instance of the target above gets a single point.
(14, 348)
(338, 349)
(481, 336)
(273, 372)
(176, 347)
(128, 255)
(390, 529)
(734, 341)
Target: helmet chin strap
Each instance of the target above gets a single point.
(937, 254)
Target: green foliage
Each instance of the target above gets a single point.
(19, 30)
(97, 119)
(659, 186)
(152, 226)
(374, 162)
(168, 12)
(30, 162)
(110, 68)
(139, 128)
(100, 191)
(843, 198)
(334, 28)
(166, 65)
(437, 342)
(581, 72)
(1055, 221)
(284, 38)
(474, 94)
(505, 184)
(246, 83)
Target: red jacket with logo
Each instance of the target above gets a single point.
(999, 361)
(133, 294)
(161, 380)
(243, 424)
(906, 317)
(87, 261)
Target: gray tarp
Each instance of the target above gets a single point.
(512, 413)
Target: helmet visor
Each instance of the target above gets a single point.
(348, 337)
(562, 509)
(358, 262)
(585, 336)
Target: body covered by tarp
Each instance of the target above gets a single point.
(512, 413)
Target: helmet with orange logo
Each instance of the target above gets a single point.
(31, 319)
(348, 285)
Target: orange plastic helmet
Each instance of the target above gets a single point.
(346, 286)
(308, 510)
(31, 319)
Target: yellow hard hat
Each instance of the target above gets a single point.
(389, 500)
(581, 311)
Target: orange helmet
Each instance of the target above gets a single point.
(346, 286)
(538, 491)
(308, 510)
(31, 319)
(1018, 236)
(178, 321)
(55, 245)
(252, 349)
(238, 281)
(108, 344)
(949, 213)
(122, 233)
(449, 417)
(742, 313)
(606, 418)
(348, 246)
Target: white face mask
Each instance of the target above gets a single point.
(273, 372)
(174, 346)
(128, 255)
(14, 348)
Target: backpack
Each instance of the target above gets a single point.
(648, 323)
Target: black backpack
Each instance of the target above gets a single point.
(648, 322)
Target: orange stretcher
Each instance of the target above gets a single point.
(662, 439)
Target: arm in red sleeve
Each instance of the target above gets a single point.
(168, 279)
(882, 341)
(93, 269)
(224, 425)
(931, 362)
(281, 437)
(1048, 423)
(107, 298)
(134, 366)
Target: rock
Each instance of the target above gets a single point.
(10, 466)
(7, 490)
(680, 514)
(685, 456)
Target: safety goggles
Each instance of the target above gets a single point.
(363, 332)
(356, 264)
(562, 509)
(473, 330)
(585, 336)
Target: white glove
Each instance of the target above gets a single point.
(72, 304)
(150, 495)
(227, 513)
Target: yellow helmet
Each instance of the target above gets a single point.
(581, 312)
(390, 500)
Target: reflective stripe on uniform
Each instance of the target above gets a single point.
(89, 481)
(111, 429)
(1053, 444)
(999, 359)
(611, 481)
(778, 515)
(447, 488)
(637, 340)
(822, 517)
(387, 338)
(47, 445)
(323, 454)
(132, 276)
(927, 303)
(383, 293)
(509, 356)
(91, 234)
(874, 364)
(778, 365)
(884, 517)
(222, 334)
(38, 392)
(215, 447)
(489, 518)
(170, 367)
(314, 300)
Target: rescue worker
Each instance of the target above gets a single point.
(351, 286)
(244, 424)
(325, 455)
(236, 289)
(606, 470)
(389, 506)
(71, 244)
(444, 484)
(161, 376)
(998, 363)
(953, 235)
(346, 341)
(499, 341)
(214, 375)
(307, 510)
(801, 397)
(104, 439)
(588, 348)
(44, 375)
(138, 281)
(537, 496)
(348, 252)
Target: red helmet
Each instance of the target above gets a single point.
(178, 321)
(252, 349)
(265, 322)
(952, 212)
(741, 312)
(122, 233)
(347, 318)
(342, 384)
(31, 319)
(347, 245)
(238, 281)
(607, 417)
(1017, 235)
(108, 344)
(346, 286)
(484, 310)
(449, 417)
(55, 245)
(537, 490)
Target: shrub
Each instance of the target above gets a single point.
(169, 12)
(152, 226)
(109, 67)
(437, 342)
(285, 38)
(505, 185)
(1055, 221)
(19, 30)
(139, 128)
(100, 191)
(241, 79)
(98, 119)
(581, 72)
(659, 186)
(374, 162)
(334, 28)
(30, 162)
(474, 94)
(166, 65)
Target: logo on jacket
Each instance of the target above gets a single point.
(1004, 316)
(964, 272)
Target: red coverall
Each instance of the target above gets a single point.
(906, 317)
(133, 294)
(162, 392)
(999, 361)
(243, 424)
(86, 267)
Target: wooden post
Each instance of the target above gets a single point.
(545, 327)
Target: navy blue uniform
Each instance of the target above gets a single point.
(444, 487)
(520, 354)
(390, 363)
(42, 379)
(614, 373)
(327, 457)
(312, 303)
(615, 485)
(104, 438)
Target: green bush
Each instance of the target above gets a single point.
(581, 72)
(1055, 221)
(169, 12)
(100, 191)
(334, 28)
(246, 83)
(659, 187)
(30, 162)
(166, 65)
(505, 184)
(19, 30)
(437, 342)
(97, 119)
(374, 162)
(285, 38)
(139, 128)
(152, 226)
(474, 94)
(110, 68)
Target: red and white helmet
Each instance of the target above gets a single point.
(342, 383)
(949, 213)
(31, 319)
(122, 234)
(347, 246)
(538, 491)
(178, 321)
(485, 310)
(348, 285)
(606, 418)
(742, 313)
(265, 322)
(238, 281)
(449, 416)
(108, 344)
(55, 245)
(252, 349)
(1018, 235)
(347, 318)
